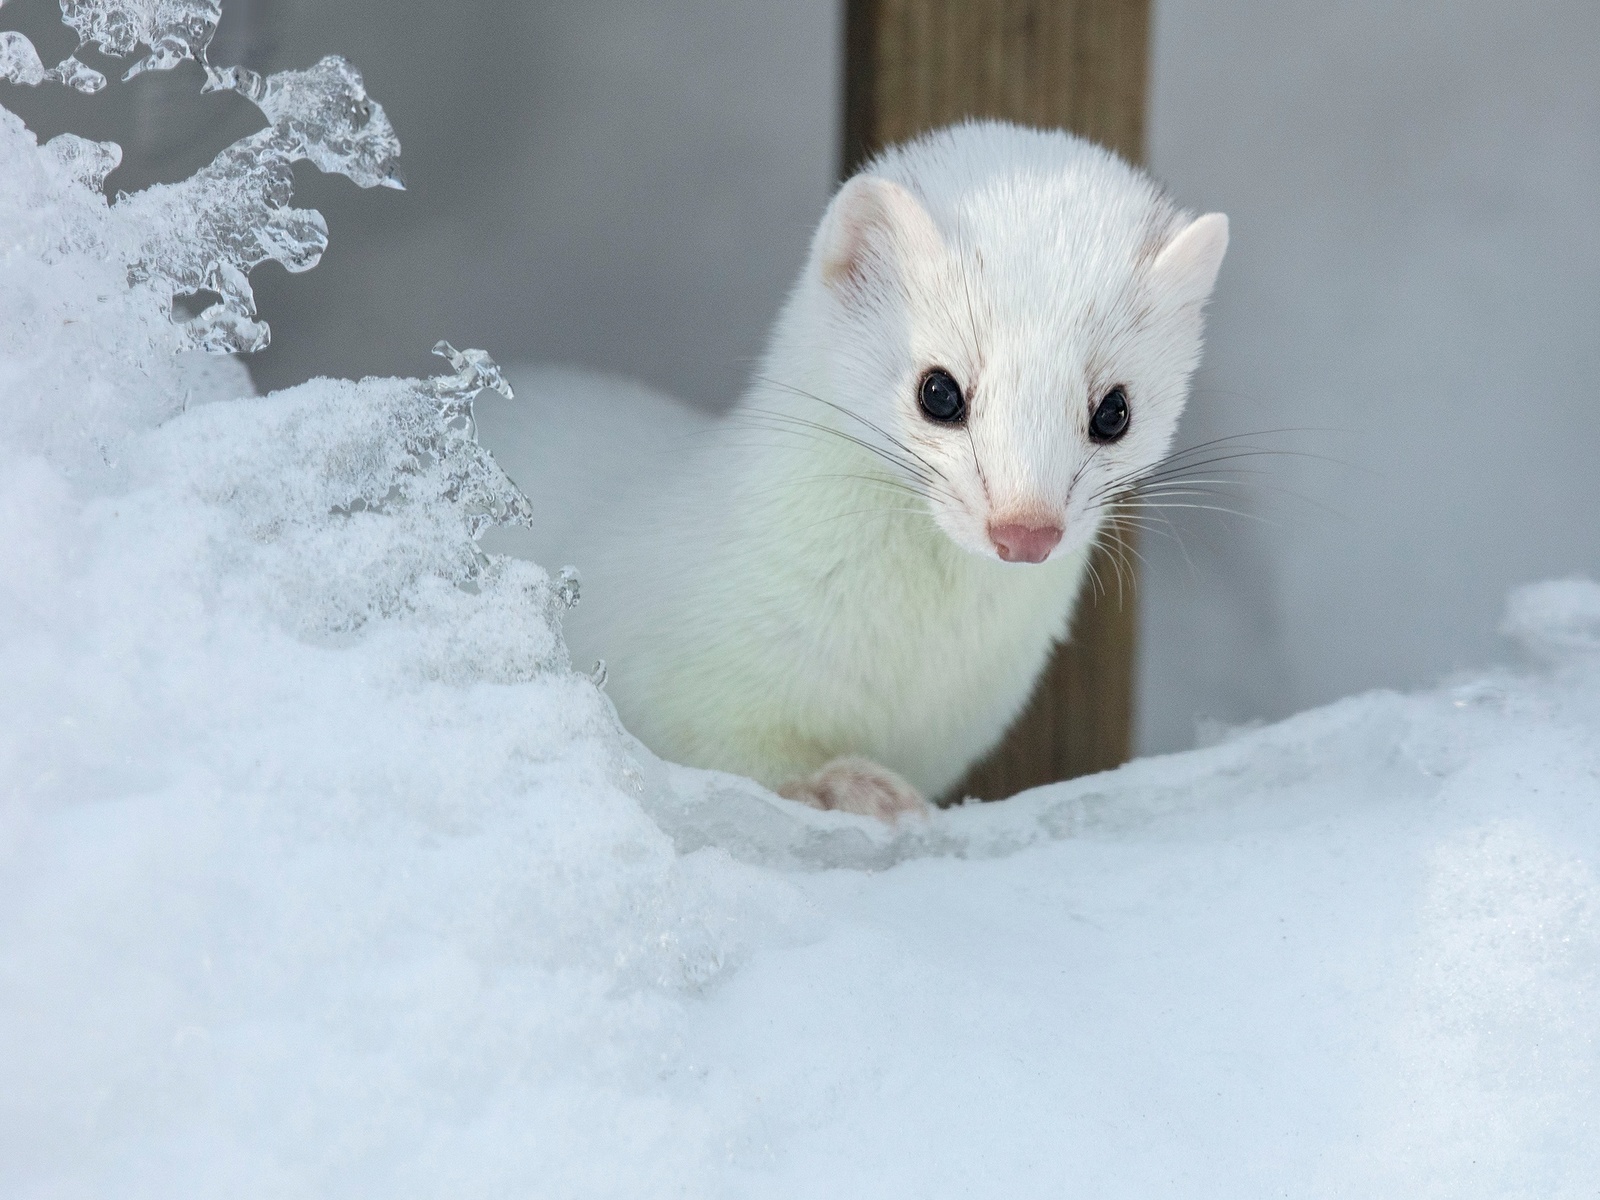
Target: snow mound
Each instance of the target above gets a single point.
(323, 874)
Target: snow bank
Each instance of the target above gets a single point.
(323, 874)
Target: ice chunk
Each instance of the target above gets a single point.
(76, 75)
(352, 497)
(19, 63)
(568, 587)
(323, 115)
(83, 161)
(175, 30)
(475, 371)
(209, 231)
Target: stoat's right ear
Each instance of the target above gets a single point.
(1186, 269)
(873, 231)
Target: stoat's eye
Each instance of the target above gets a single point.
(940, 398)
(1110, 420)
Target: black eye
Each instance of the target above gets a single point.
(1110, 420)
(941, 399)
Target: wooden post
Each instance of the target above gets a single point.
(912, 65)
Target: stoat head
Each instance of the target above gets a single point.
(1016, 314)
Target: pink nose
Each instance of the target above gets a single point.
(1024, 543)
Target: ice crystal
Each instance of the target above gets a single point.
(568, 589)
(475, 371)
(20, 63)
(76, 75)
(83, 161)
(354, 500)
(208, 232)
(338, 504)
(175, 30)
(322, 115)
(358, 500)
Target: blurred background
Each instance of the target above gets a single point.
(1413, 284)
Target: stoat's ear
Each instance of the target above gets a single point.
(873, 227)
(1186, 269)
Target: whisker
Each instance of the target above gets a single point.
(1181, 487)
(1114, 523)
(975, 342)
(854, 416)
(782, 418)
(927, 484)
(799, 423)
(1237, 437)
(1116, 563)
(1160, 523)
(1213, 452)
(1164, 470)
(1099, 587)
(1235, 455)
(1233, 512)
(1082, 467)
(1140, 489)
(978, 462)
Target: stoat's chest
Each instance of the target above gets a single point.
(918, 653)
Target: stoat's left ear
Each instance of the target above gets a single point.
(874, 232)
(1186, 269)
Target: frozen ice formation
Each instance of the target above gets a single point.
(339, 503)
(352, 502)
(82, 160)
(475, 371)
(19, 63)
(175, 30)
(323, 115)
(208, 232)
(358, 500)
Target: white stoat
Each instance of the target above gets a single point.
(847, 587)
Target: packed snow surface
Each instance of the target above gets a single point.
(323, 874)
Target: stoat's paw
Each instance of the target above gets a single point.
(857, 785)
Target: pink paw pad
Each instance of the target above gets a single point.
(857, 785)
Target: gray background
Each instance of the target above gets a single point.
(1414, 284)
(1414, 189)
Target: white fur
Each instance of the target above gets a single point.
(771, 597)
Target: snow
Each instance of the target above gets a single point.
(323, 874)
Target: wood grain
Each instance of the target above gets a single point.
(913, 65)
